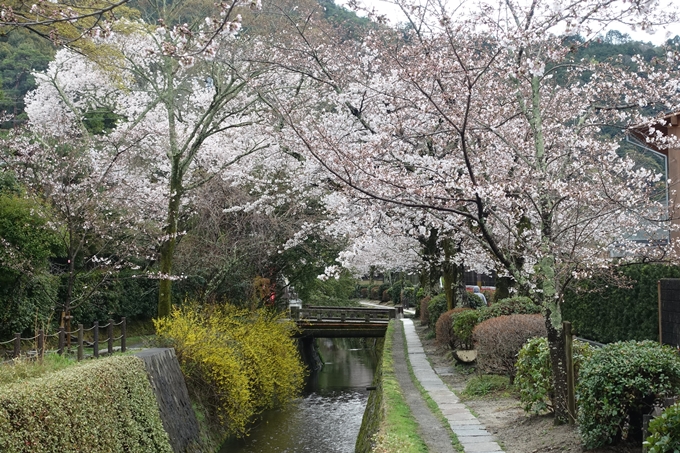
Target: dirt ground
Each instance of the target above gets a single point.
(516, 431)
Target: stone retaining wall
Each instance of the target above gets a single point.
(167, 381)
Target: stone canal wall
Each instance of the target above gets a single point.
(168, 384)
(374, 413)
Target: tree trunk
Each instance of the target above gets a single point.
(558, 364)
(167, 251)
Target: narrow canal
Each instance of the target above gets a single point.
(328, 416)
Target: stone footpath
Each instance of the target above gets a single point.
(471, 434)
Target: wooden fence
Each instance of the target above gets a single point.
(65, 339)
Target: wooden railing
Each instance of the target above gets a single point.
(342, 314)
(65, 338)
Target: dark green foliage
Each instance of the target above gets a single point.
(21, 53)
(395, 292)
(474, 301)
(126, 294)
(408, 296)
(333, 292)
(606, 313)
(463, 325)
(665, 431)
(618, 384)
(27, 290)
(534, 373)
(435, 308)
(517, 305)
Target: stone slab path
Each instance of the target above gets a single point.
(471, 434)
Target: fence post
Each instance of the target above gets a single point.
(17, 345)
(569, 353)
(41, 343)
(60, 348)
(123, 334)
(80, 342)
(95, 344)
(109, 331)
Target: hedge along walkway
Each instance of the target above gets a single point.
(471, 434)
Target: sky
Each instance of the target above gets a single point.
(395, 15)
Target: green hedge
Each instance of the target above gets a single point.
(604, 312)
(104, 405)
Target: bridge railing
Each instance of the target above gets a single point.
(342, 314)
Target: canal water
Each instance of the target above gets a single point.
(328, 416)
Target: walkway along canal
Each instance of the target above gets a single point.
(328, 416)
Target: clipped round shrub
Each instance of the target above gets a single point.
(618, 384)
(474, 301)
(517, 305)
(436, 308)
(463, 324)
(424, 313)
(374, 292)
(499, 340)
(444, 328)
(385, 296)
(664, 431)
(534, 373)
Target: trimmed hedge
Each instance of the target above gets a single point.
(619, 384)
(499, 340)
(517, 305)
(665, 431)
(534, 373)
(444, 333)
(101, 405)
(606, 313)
(435, 308)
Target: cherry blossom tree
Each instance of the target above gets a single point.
(177, 92)
(486, 119)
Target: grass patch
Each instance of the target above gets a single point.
(399, 430)
(487, 385)
(431, 404)
(22, 368)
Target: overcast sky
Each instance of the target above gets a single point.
(396, 16)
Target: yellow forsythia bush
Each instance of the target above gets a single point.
(104, 405)
(248, 361)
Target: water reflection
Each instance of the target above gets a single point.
(328, 417)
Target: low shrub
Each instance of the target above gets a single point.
(101, 403)
(363, 293)
(408, 296)
(499, 340)
(385, 296)
(444, 328)
(486, 384)
(517, 305)
(436, 308)
(424, 315)
(490, 295)
(619, 384)
(243, 362)
(474, 301)
(534, 373)
(463, 324)
(374, 292)
(664, 431)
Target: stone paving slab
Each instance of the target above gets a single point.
(470, 432)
